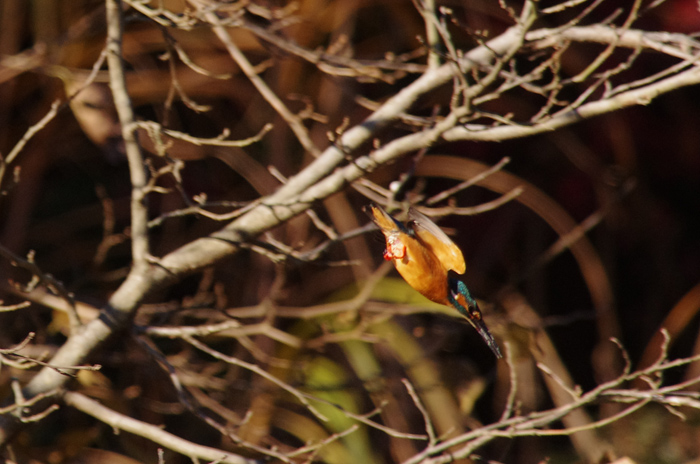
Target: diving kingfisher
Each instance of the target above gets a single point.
(423, 254)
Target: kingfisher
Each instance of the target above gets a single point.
(423, 254)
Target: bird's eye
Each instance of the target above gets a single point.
(454, 291)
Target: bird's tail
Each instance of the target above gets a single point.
(384, 220)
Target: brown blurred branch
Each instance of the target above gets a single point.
(294, 121)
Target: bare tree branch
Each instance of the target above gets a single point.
(154, 433)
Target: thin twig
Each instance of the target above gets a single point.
(218, 141)
(429, 428)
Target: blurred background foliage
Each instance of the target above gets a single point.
(639, 169)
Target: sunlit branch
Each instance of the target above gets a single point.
(122, 102)
(154, 433)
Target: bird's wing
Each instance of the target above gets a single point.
(432, 236)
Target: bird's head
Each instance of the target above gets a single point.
(462, 300)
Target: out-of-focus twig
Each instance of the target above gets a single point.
(40, 277)
(294, 121)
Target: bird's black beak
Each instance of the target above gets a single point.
(480, 327)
